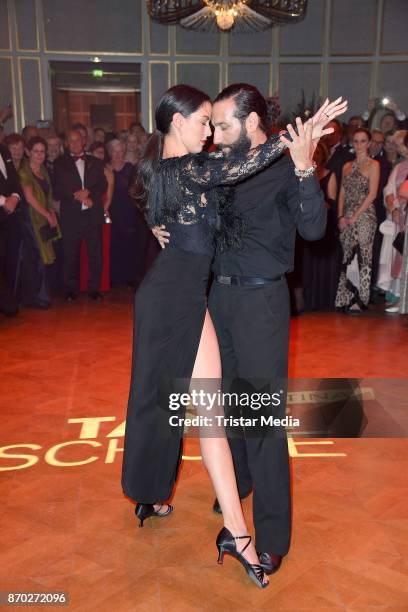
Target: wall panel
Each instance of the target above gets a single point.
(392, 82)
(250, 44)
(293, 78)
(159, 74)
(189, 42)
(256, 74)
(306, 37)
(203, 76)
(353, 26)
(4, 26)
(395, 26)
(158, 37)
(352, 81)
(8, 93)
(94, 25)
(26, 21)
(30, 89)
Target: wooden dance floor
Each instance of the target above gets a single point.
(66, 525)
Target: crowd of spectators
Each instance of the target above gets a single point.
(61, 192)
(71, 219)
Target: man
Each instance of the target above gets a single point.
(79, 183)
(9, 199)
(99, 134)
(5, 114)
(54, 150)
(249, 302)
(376, 151)
(338, 154)
(28, 132)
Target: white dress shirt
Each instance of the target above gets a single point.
(3, 167)
(80, 164)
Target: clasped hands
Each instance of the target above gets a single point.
(82, 196)
(10, 204)
(345, 221)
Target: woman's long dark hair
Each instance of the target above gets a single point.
(181, 99)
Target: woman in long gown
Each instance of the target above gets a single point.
(130, 235)
(37, 217)
(174, 337)
(403, 302)
(357, 223)
(321, 257)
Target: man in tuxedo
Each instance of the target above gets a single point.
(9, 199)
(79, 183)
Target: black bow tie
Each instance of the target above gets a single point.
(77, 157)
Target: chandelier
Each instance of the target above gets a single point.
(227, 15)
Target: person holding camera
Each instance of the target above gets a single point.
(384, 114)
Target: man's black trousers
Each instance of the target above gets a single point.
(252, 325)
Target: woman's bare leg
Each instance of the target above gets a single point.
(215, 451)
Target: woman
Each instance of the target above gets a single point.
(15, 144)
(390, 279)
(129, 233)
(357, 223)
(97, 149)
(321, 257)
(174, 338)
(132, 149)
(402, 306)
(39, 226)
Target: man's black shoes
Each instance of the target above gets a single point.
(270, 562)
(96, 296)
(71, 297)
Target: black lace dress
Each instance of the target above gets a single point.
(170, 304)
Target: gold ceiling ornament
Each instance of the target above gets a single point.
(227, 15)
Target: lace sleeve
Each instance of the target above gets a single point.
(200, 172)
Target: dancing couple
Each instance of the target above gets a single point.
(184, 191)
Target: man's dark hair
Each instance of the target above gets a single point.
(76, 127)
(359, 117)
(248, 100)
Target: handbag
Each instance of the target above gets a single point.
(48, 233)
(398, 243)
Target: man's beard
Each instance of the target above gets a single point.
(241, 146)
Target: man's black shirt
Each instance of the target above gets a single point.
(273, 204)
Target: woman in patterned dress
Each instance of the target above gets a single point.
(357, 224)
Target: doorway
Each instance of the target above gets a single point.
(98, 95)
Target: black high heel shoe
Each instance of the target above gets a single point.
(143, 511)
(226, 544)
